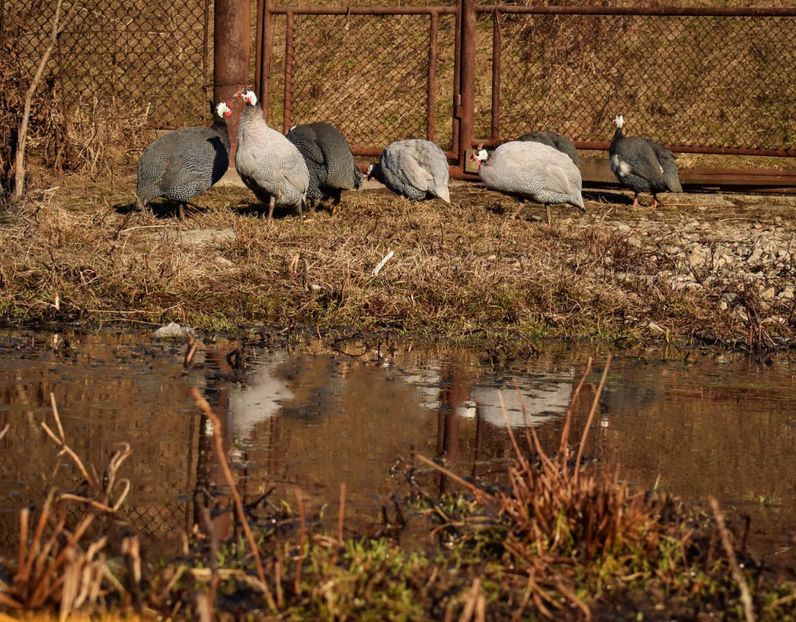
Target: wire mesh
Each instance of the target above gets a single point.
(146, 53)
(366, 74)
(716, 81)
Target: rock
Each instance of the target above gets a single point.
(787, 293)
(768, 294)
(172, 330)
(742, 314)
(223, 262)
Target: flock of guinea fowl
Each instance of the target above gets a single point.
(314, 162)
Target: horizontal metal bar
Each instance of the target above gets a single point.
(362, 151)
(602, 145)
(373, 10)
(660, 11)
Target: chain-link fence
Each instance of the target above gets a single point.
(717, 81)
(146, 54)
(367, 74)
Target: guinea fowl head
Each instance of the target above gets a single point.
(223, 110)
(619, 121)
(480, 155)
(248, 97)
(373, 171)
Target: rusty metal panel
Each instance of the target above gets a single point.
(698, 79)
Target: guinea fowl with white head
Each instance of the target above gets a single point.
(531, 170)
(329, 161)
(184, 163)
(415, 168)
(642, 165)
(267, 162)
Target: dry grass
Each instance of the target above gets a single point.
(457, 270)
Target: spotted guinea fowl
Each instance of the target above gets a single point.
(329, 160)
(414, 168)
(555, 140)
(642, 165)
(531, 170)
(186, 162)
(267, 162)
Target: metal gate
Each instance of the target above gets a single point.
(701, 80)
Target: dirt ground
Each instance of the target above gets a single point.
(704, 268)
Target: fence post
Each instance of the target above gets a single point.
(263, 60)
(466, 105)
(231, 42)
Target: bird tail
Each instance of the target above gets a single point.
(444, 194)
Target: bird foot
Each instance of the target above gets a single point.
(635, 203)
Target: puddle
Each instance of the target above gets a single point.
(306, 422)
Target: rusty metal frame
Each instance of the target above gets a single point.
(265, 14)
(497, 10)
(466, 13)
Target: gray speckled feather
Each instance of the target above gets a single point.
(183, 163)
(268, 163)
(555, 140)
(533, 170)
(414, 168)
(328, 157)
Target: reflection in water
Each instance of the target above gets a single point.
(305, 423)
(260, 399)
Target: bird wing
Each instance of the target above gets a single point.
(666, 159)
(641, 157)
(413, 173)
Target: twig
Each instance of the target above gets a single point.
(743, 586)
(477, 492)
(22, 134)
(222, 460)
(4, 430)
(382, 263)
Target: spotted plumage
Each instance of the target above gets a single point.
(267, 162)
(184, 163)
(416, 169)
(531, 170)
(642, 165)
(555, 140)
(329, 160)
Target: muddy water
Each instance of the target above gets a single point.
(304, 423)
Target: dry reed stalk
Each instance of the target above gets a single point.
(341, 515)
(595, 404)
(52, 565)
(737, 575)
(202, 404)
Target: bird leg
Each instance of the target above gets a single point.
(654, 202)
(518, 210)
(271, 206)
(635, 201)
(549, 217)
(181, 210)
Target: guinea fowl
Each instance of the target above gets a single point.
(555, 140)
(329, 161)
(416, 169)
(642, 165)
(186, 162)
(267, 162)
(531, 170)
